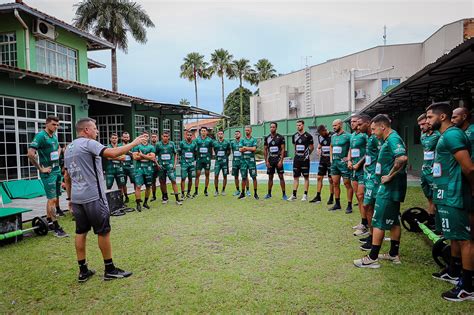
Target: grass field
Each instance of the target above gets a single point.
(220, 255)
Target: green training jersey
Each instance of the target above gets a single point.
(221, 149)
(428, 143)
(340, 145)
(187, 151)
(48, 150)
(470, 134)
(144, 149)
(203, 147)
(236, 154)
(358, 146)
(113, 163)
(450, 187)
(165, 152)
(371, 153)
(248, 142)
(392, 148)
(128, 162)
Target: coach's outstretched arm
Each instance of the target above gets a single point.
(118, 151)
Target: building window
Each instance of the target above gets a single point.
(56, 60)
(389, 83)
(139, 124)
(107, 125)
(20, 121)
(8, 49)
(155, 125)
(177, 130)
(166, 125)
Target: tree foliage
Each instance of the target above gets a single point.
(232, 107)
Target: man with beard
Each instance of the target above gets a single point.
(274, 153)
(114, 169)
(221, 151)
(340, 143)
(204, 147)
(390, 171)
(453, 191)
(187, 152)
(154, 142)
(237, 162)
(127, 164)
(324, 152)
(144, 155)
(248, 147)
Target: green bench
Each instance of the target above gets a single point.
(11, 221)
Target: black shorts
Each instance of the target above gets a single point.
(324, 168)
(300, 168)
(274, 167)
(93, 214)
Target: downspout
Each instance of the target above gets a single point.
(352, 92)
(27, 38)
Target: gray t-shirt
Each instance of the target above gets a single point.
(83, 162)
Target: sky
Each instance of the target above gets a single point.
(284, 32)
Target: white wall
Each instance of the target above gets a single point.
(442, 41)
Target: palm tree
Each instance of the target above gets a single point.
(221, 65)
(241, 69)
(184, 101)
(263, 71)
(194, 68)
(112, 20)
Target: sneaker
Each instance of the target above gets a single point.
(444, 276)
(316, 199)
(183, 196)
(60, 212)
(348, 210)
(305, 198)
(335, 207)
(117, 273)
(83, 277)
(145, 205)
(223, 193)
(285, 197)
(216, 194)
(179, 202)
(60, 233)
(139, 207)
(236, 193)
(206, 194)
(366, 246)
(457, 294)
(165, 201)
(292, 198)
(393, 259)
(359, 226)
(153, 199)
(126, 199)
(330, 201)
(366, 262)
(267, 196)
(195, 195)
(256, 196)
(189, 196)
(242, 196)
(364, 239)
(361, 232)
(248, 193)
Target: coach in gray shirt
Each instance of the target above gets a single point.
(83, 163)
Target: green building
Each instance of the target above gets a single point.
(44, 69)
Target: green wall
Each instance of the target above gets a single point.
(147, 111)
(405, 124)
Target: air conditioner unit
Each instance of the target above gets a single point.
(292, 104)
(45, 30)
(360, 94)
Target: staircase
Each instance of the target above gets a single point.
(307, 93)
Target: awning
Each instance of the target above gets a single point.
(451, 77)
(190, 111)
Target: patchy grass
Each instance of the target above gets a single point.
(219, 254)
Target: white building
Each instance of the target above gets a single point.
(349, 83)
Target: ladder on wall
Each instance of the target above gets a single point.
(307, 92)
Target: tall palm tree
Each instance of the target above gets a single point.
(221, 61)
(241, 69)
(263, 70)
(184, 101)
(193, 69)
(112, 20)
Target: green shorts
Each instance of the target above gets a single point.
(221, 166)
(144, 175)
(427, 185)
(358, 176)
(236, 165)
(386, 214)
(203, 163)
(167, 170)
(187, 170)
(370, 192)
(248, 166)
(115, 172)
(52, 184)
(129, 172)
(454, 223)
(339, 167)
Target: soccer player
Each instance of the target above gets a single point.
(144, 155)
(248, 146)
(324, 152)
(304, 146)
(390, 171)
(237, 162)
(340, 143)
(429, 139)
(204, 147)
(274, 153)
(371, 184)
(128, 167)
(187, 152)
(462, 119)
(453, 188)
(83, 160)
(46, 145)
(165, 152)
(222, 150)
(355, 163)
(154, 142)
(114, 168)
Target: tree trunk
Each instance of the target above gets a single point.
(114, 70)
(223, 101)
(196, 93)
(241, 104)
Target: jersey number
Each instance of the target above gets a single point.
(440, 194)
(445, 223)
